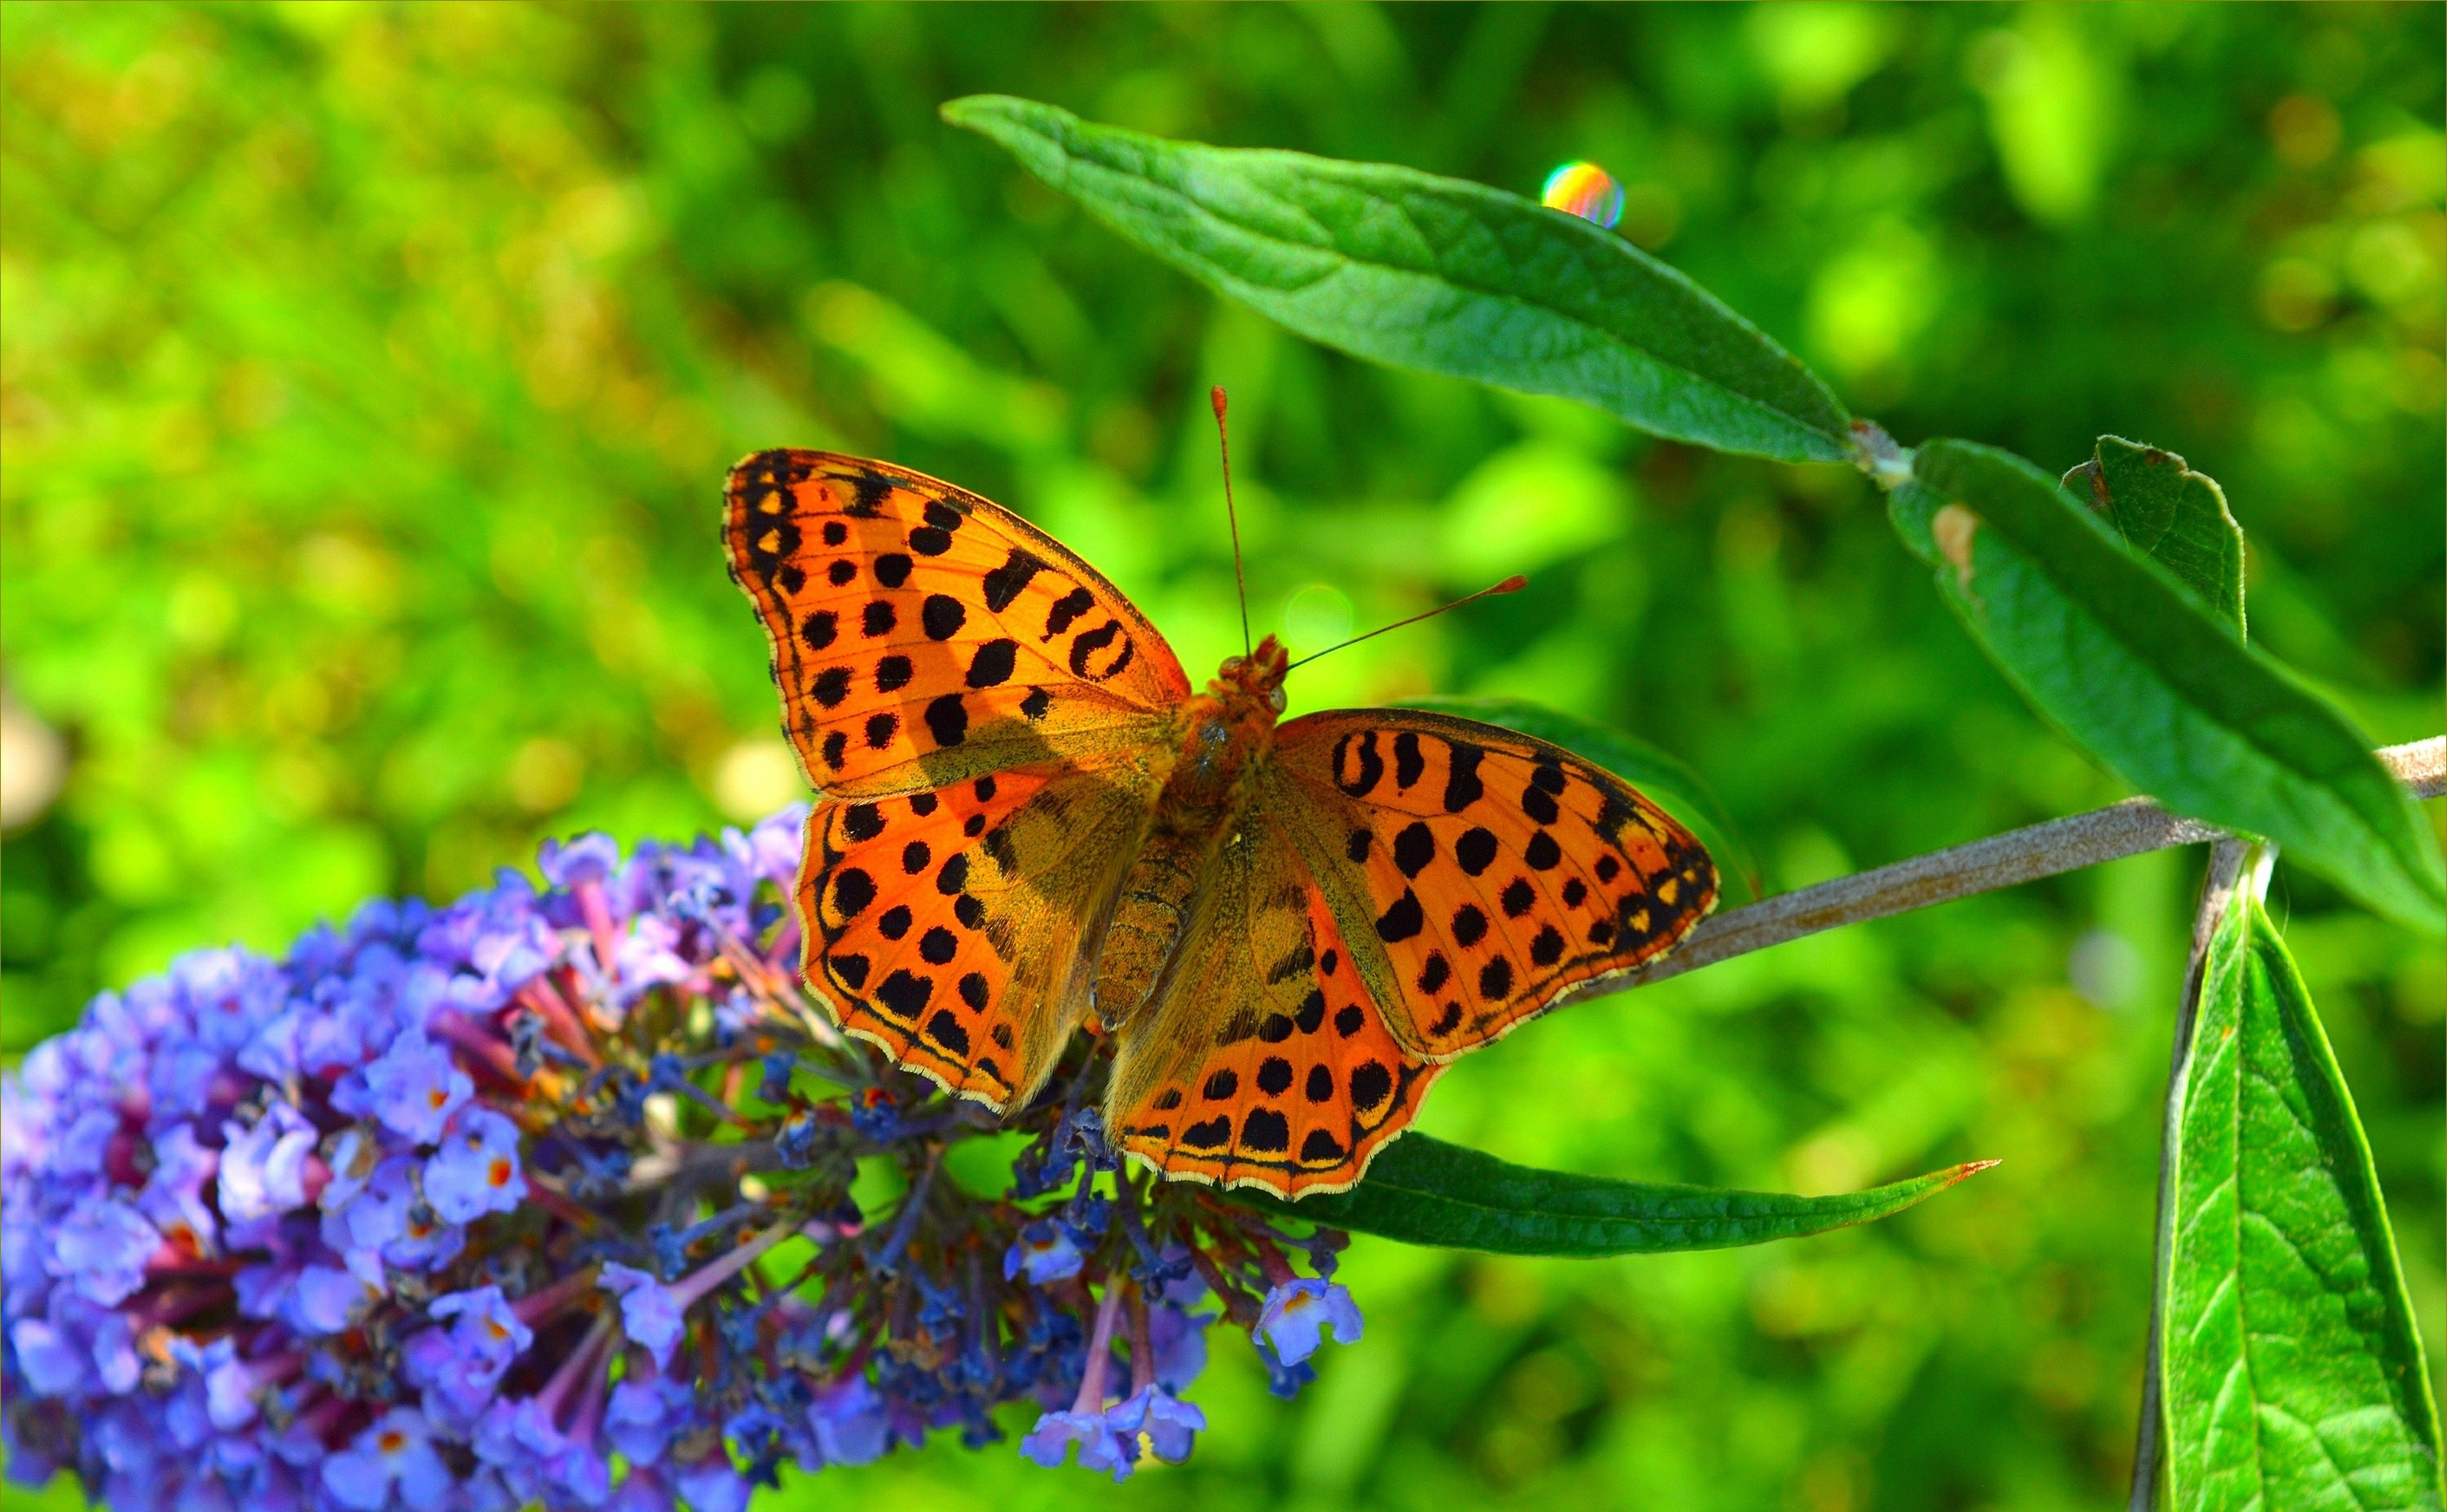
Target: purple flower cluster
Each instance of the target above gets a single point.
(547, 1196)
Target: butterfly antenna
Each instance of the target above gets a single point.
(1240, 579)
(1510, 585)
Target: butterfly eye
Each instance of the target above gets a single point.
(1232, 665)
(1275, 698)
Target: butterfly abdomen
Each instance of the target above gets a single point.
(1195, 815)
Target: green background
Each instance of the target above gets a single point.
(367, 375)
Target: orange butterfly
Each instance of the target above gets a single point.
(1030, 822)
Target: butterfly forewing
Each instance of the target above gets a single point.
(1481, 872)
(1262, 1059)
(922, 635)
(951, 927)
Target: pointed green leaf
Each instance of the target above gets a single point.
(2135, 670)
(1425, 1191)
(2170, 514)
(1441, 275)
(2293, 1374)
(1668, 778)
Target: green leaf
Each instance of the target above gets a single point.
(1424, 1191)
(1441, 275)
(2293, 1374)
(2134, 669)
(1668, 778)
(2170, 514)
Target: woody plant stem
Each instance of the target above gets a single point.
(2128, 828)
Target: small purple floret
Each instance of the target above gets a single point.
(415, 1087)
(649, 1312)
(1102, 1447)
(1169, 1423)
(1297, 1312)
(1045, 1252)
(476, 1171)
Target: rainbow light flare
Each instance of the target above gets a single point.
(1585, 190)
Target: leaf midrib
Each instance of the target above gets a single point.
(2238, 1072)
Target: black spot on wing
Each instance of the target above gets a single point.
(1475, 850)
(1085, 645)
(991, 665)
(1266, 1130)
(1004, 583)
(947, 720)
(1495, 980)
(1312, 1010)
(1404, 920)
(868, 490)
(941, 617)
(1462, 786)
(947, 1032)
(1067, 609)
(1357, 767)
(1408, 762)
(905, 992)
(852, 891)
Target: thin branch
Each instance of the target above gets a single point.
(2128, 828)
(2217, 895)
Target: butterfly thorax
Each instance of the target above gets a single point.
(1198, 813)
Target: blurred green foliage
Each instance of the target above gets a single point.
(367, 377)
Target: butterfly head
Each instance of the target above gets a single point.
(1257, 679)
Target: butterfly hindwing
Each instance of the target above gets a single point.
(950, 927)
(1483, 873)
(1262, 1060)
(922, 635)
